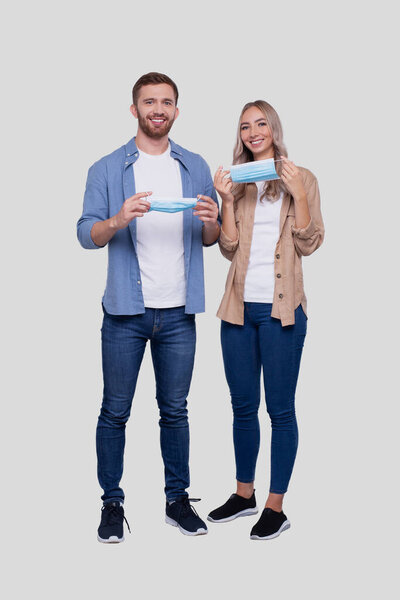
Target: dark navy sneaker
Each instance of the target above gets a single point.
(235, 506)
(269, 525)
(111, 529)
(181, 514)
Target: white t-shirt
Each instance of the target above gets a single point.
(260, 278)
(160, 235)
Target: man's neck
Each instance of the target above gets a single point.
(151, 145)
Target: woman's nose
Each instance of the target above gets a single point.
(253, 131)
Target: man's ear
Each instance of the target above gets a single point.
(133, 110)
(176, 113)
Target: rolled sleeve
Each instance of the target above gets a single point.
(84, 234)
(227, 246)
(95, 206)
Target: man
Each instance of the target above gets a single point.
(155, 285)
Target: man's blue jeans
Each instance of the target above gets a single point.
(172, 335)
(263, 342)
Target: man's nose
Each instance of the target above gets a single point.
(158, 108)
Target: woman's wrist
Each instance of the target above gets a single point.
(227, 200)
(300, 197)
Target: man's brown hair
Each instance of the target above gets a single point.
(152, 79)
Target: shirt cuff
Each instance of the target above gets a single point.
(85, 237)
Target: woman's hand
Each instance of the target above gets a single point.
(223, 185)
(291, 177)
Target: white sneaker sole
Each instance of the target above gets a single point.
(242, 513)
(176, 524)
(111, 540)
(283, 527)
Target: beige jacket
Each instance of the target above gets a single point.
(292, 244)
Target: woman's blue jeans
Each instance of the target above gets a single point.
(263, 342)
(172, 335)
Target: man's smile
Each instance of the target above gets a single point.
(157, 120)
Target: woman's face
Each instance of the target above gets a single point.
(255, 134)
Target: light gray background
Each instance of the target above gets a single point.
(329, 69)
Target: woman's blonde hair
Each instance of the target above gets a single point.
(272, 189)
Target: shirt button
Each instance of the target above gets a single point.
(278, 256)
(280, 295)
(128, 154)
(139, 282)
(279, 276)
(126, 162)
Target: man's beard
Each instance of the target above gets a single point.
(151, 131)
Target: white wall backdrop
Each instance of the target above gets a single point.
(330, 71)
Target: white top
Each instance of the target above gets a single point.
(160, 235)
(260, 276)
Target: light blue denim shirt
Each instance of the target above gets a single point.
(109, 183)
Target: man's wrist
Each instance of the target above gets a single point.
(114, 223)
(211, 225)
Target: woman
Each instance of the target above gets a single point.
(266, 228)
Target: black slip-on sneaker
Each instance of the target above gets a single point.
(269, 525)
(236, 506)
(111, 528)
(181, 514)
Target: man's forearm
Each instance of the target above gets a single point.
(103, 231)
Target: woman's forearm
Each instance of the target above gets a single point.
(228, 221)
(302, 211)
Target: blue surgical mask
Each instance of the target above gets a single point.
(171, 205)
(257, 170)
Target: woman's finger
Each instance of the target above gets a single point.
(217, 176)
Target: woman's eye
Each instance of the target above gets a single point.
(262, 124)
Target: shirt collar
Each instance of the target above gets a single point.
(132, 152)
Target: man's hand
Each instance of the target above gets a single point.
(135, 206)
(206, 209)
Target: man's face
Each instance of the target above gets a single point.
(156, 110)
